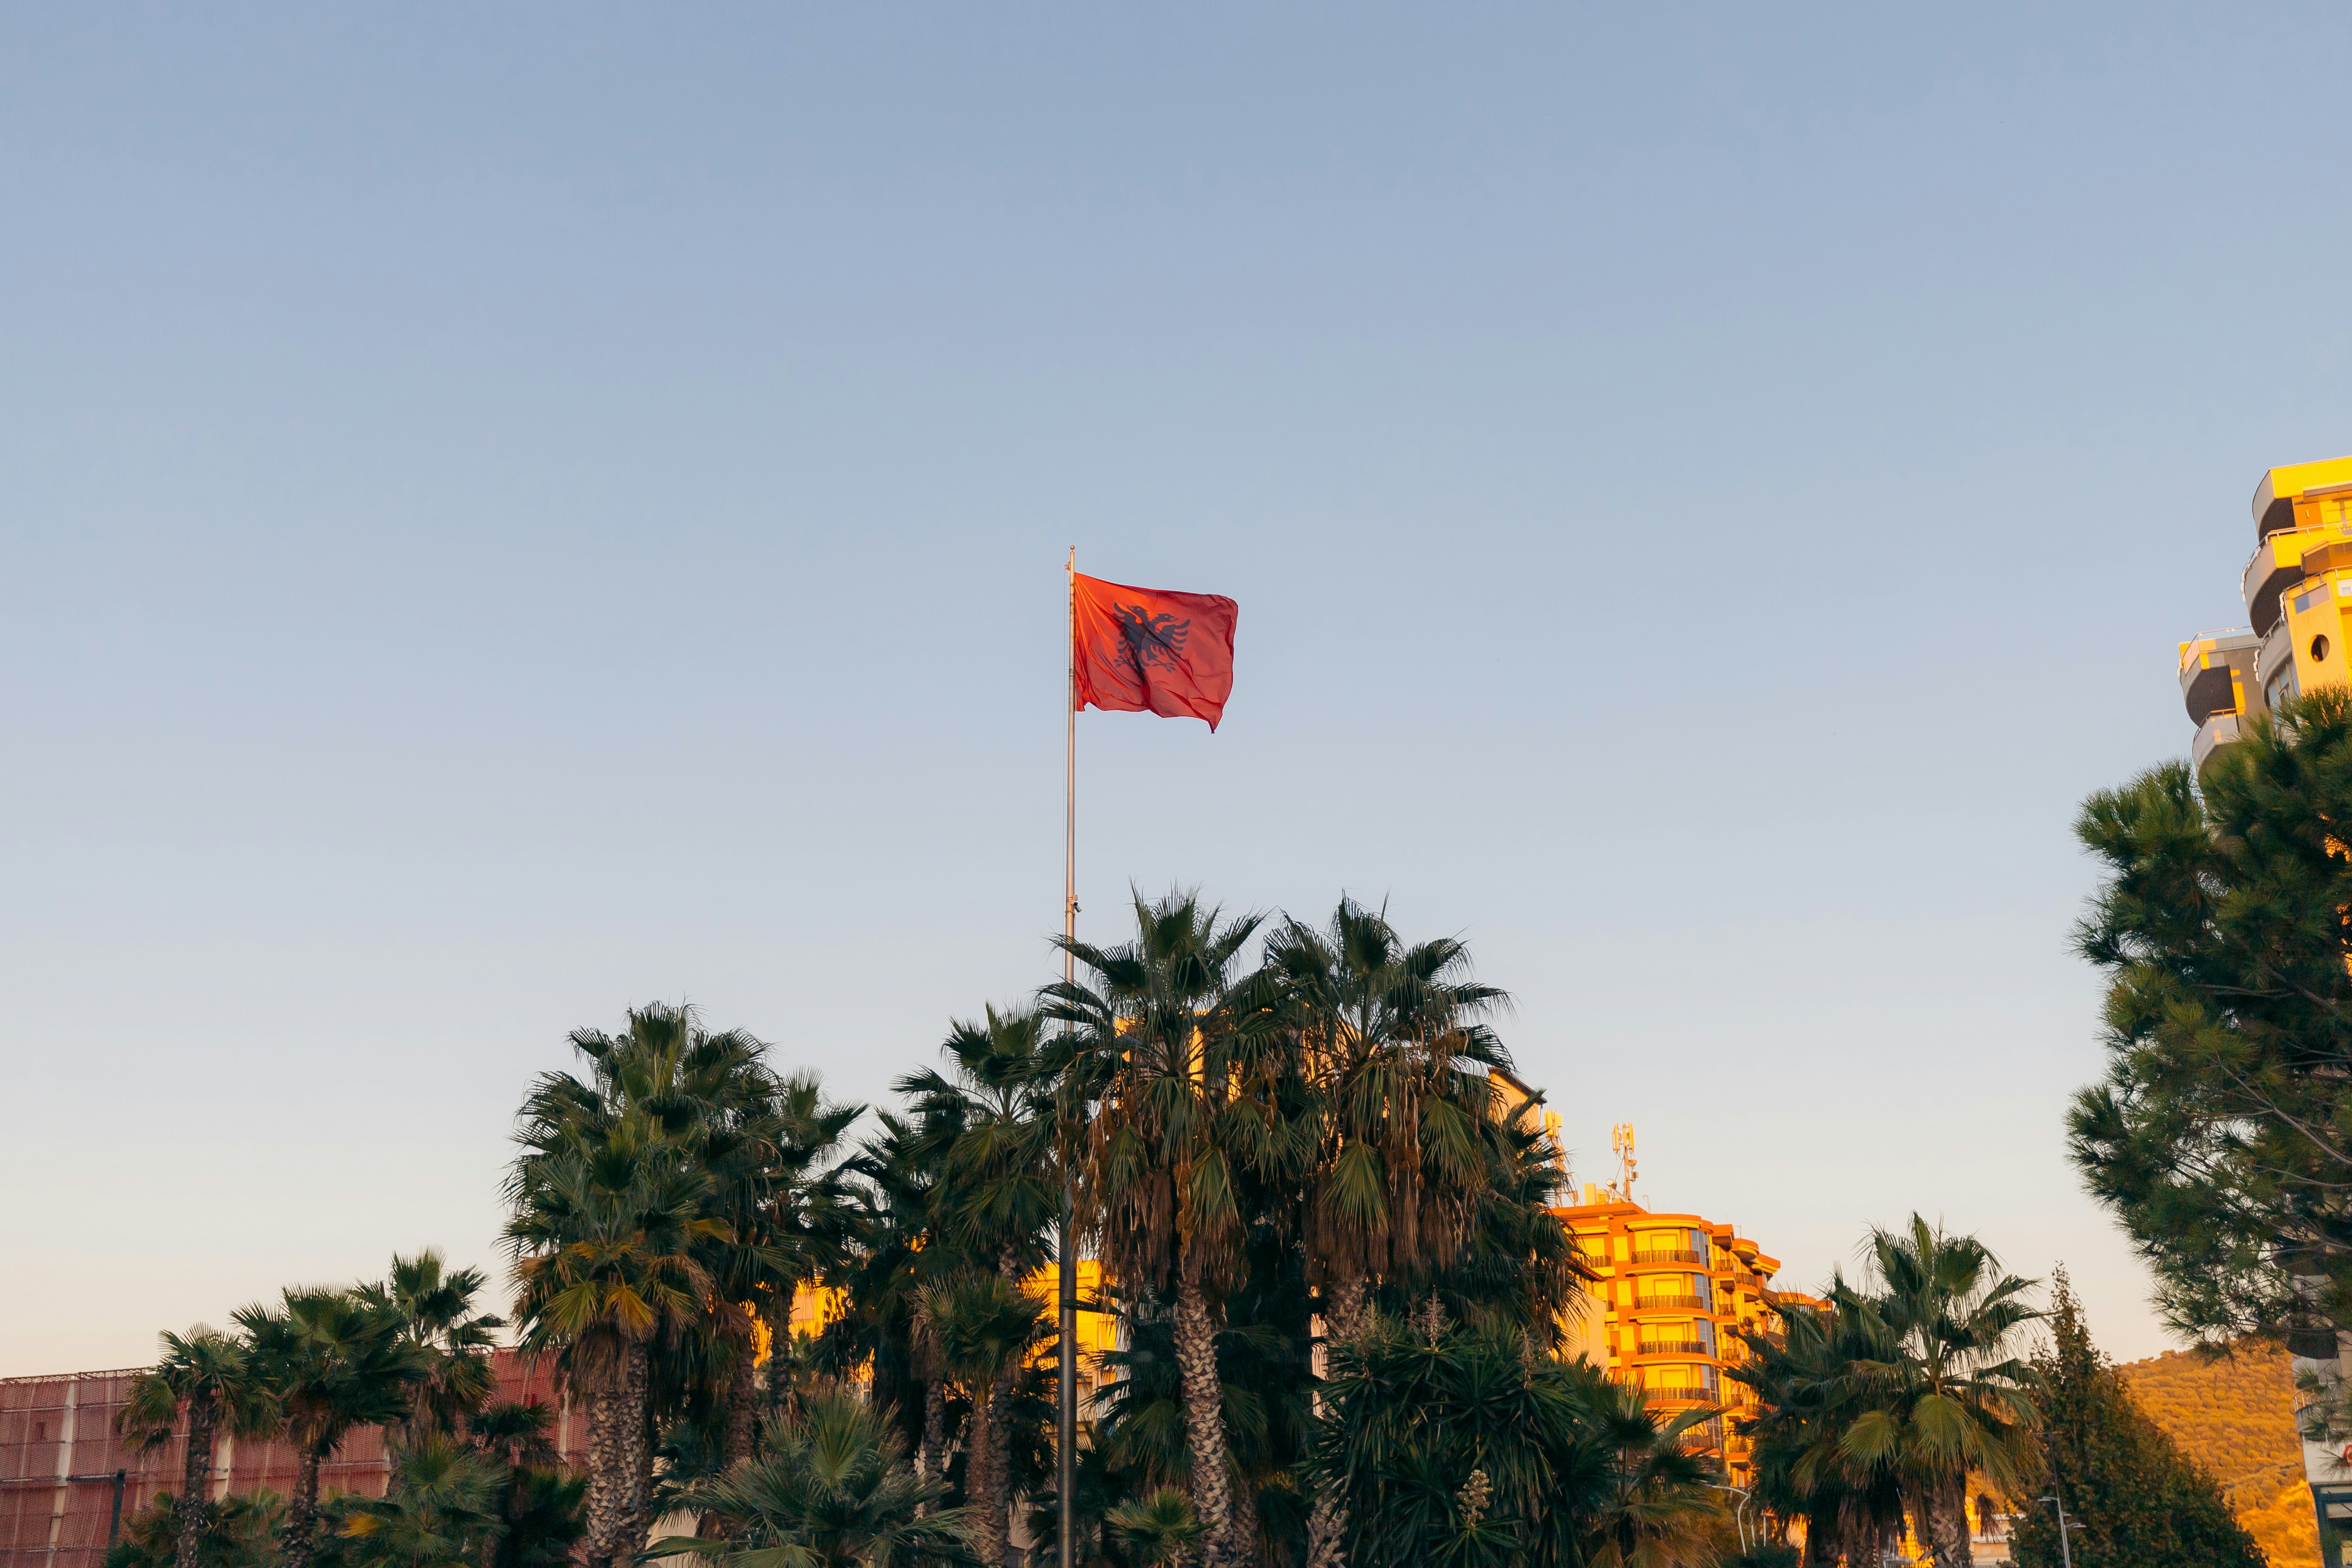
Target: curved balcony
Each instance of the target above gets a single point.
(2222, 729)
(1669, 1304)
(2286, 558)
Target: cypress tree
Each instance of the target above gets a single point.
(2138, 1501)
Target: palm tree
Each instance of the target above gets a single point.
(1157, 1528)
(604, 1235)
(442, 1509)
(1657, 1508)
(240, 1531)
(1469, 1445)
(987, 1129)
(333, 1361)
(1265, 1359)
(1517, 1266)
(759, 1140)
(1953, 1399)
(209, 1375)
(1153, 1059)
(435, 1306)
(799, 1230)
(892, 1255)
(830, 1491)
(1391, 1042)
(1808, 1398)
(979, 1330)
(539, 1506)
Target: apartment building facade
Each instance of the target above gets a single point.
(1670, 1297)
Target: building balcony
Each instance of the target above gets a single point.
(1654, 1397)
(1681, 1347)
(2218, 675)
(2221, 729)
(2286, 558)
(1669, 1304)
(1681, 1256)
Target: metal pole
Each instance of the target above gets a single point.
(1065, 1429)
(2066, 1551)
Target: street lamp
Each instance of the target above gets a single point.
(2065, 1552)
(1740, 1515)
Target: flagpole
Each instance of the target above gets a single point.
(1065, 1432)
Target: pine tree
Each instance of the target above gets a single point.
(2136, 1498)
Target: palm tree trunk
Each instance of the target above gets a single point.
(1327, 1532)
(640, 1430)
(982, 1473)
(302, 1510)
(197, 1483)
(1246, 1546)
(1944, 1523)
(931, 1458)
(1205, 1424)
(988, 1459)
(617, 1444)
(743, 1392)
(1820, 1543)
(600, 1508)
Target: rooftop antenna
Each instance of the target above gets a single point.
(1620, 1139)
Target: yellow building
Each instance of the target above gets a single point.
(2297, 589)
(1670, 1294)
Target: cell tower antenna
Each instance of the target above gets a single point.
(1620, 1139)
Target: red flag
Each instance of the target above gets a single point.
(1146, 650)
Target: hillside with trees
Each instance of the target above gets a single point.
(2235, 1416)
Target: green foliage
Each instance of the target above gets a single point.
(830, 1490)
(1157, 1528)
(541, 1519)
(2220, 1133)
(238, 1531)
(1471, 1447)
(441, 1509)
(2137, 1498)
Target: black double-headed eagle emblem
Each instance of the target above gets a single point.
(1152, 640)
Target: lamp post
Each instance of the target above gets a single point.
(1740, 1515)
(2066, 1551)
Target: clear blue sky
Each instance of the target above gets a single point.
(510, 513)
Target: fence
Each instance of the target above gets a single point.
(66, 1479)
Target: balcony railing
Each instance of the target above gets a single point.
(1692, 1395)
(1670, 1255)
(1707, 1433)
(1666, 1303)
(1675, 1347)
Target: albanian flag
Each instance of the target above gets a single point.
(1146, 650)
